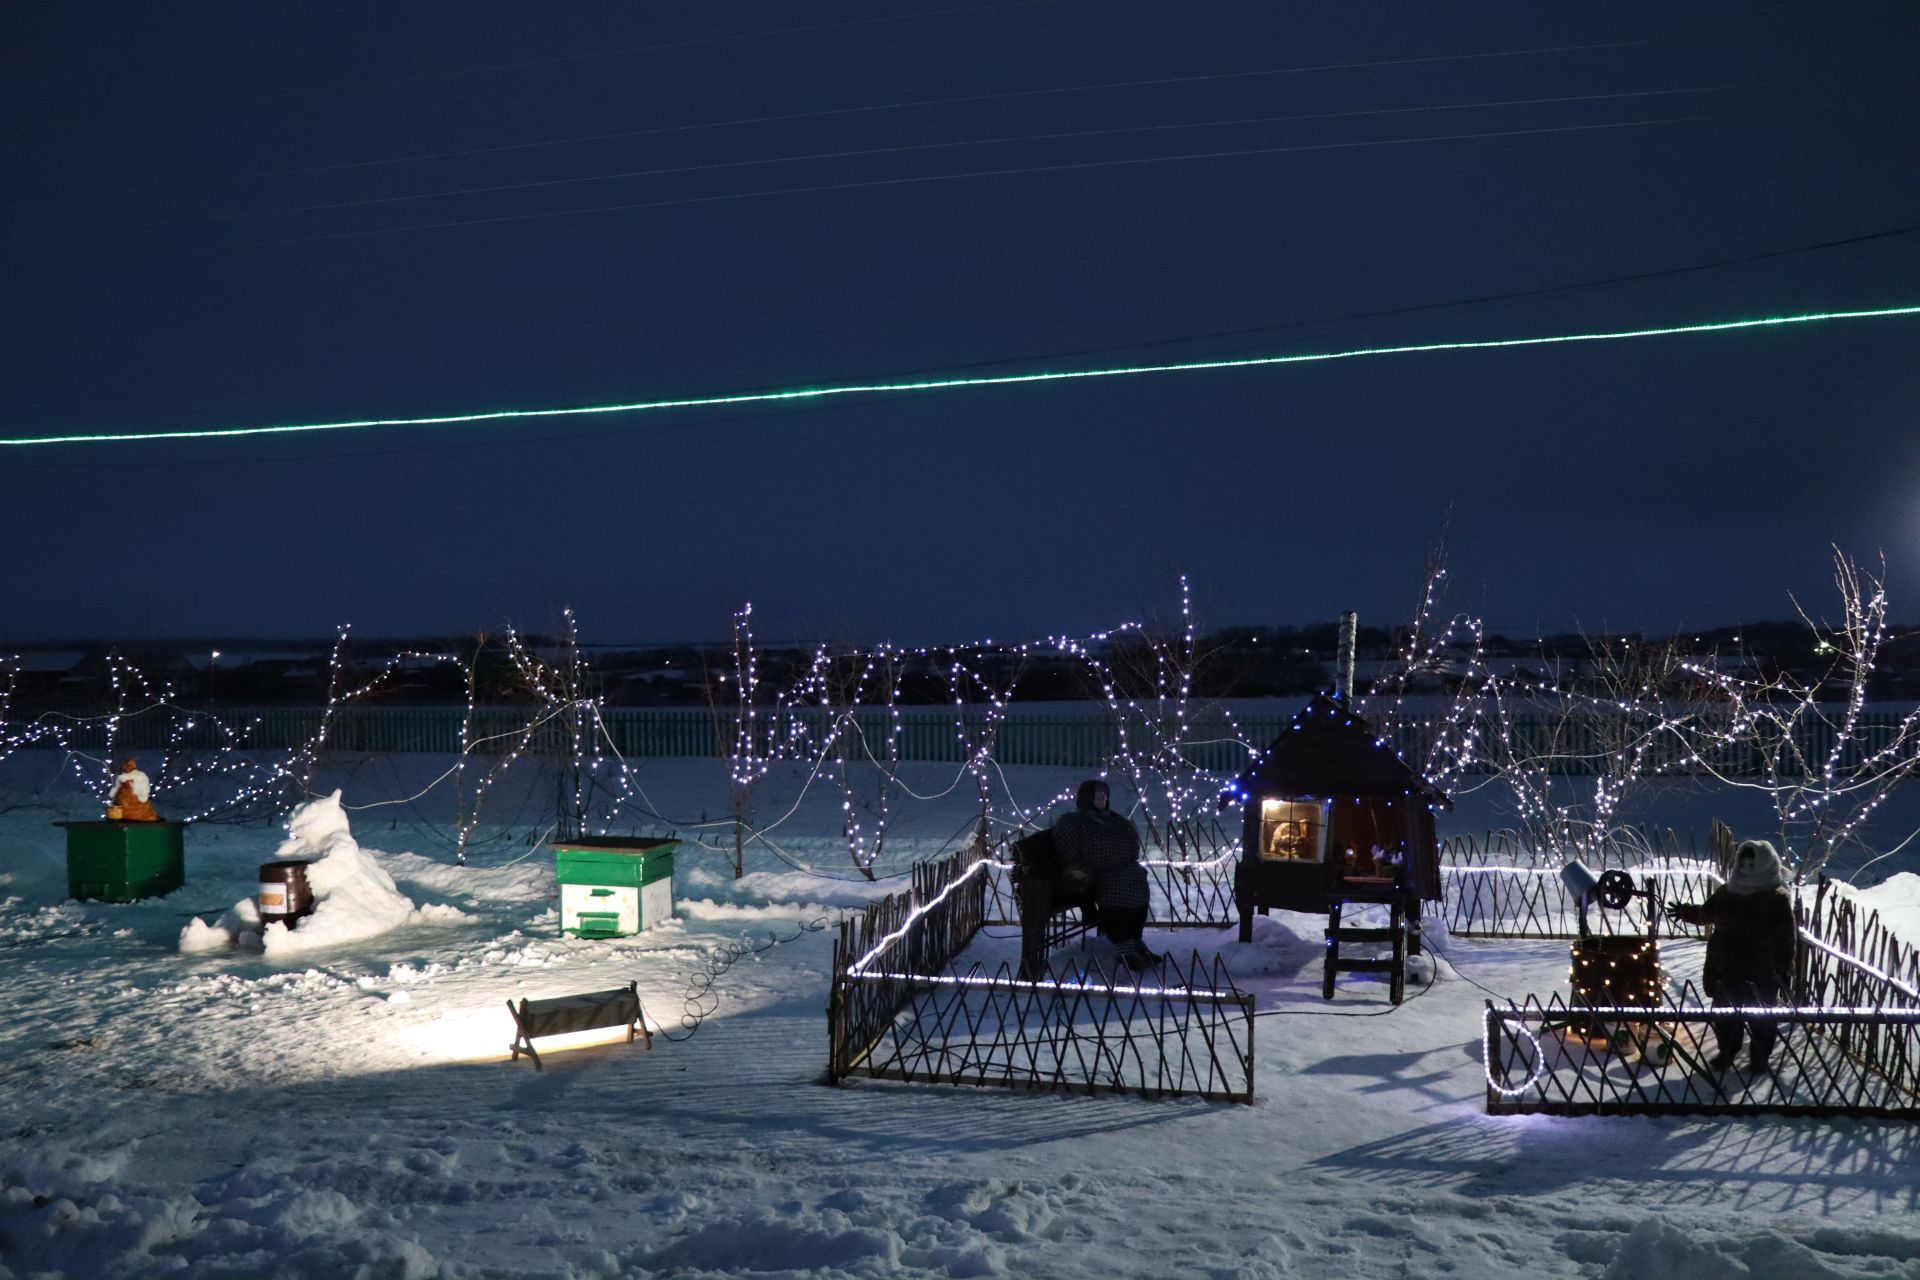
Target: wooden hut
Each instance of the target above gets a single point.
(1333, 815)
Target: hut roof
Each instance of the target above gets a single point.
(1331, 751)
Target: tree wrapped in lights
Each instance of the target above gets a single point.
(742, 731)
(1824, 763)
(1574, 742)
(565, 724)
(986, 678)
(12, 736)
(1432, 650)
(502, 736)
(16, 734)
(1145, 675)
(206, 768)
(867, 770)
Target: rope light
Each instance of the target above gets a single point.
(948, 384)
(1501, 1087)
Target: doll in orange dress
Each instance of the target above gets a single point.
(130, 792)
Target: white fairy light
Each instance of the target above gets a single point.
(1486, 1056)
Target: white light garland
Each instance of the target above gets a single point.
(1487, 1055)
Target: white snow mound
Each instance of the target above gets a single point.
(353, 898)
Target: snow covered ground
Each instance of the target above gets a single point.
(348, 1110)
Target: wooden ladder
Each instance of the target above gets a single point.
(1399, 931)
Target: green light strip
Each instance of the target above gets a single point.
(942, 384)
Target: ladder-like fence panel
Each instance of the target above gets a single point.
(896, 940)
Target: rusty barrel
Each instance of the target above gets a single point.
(284, 894)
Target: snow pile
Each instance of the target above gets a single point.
(1897, 900)
(355, 1113)
(353, 897)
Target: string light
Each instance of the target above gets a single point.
(1487, 1055)
(948, 384)
(1704, 871)
(1040, 984)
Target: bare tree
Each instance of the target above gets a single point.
(985, 678)
(1575, 742)
(1145, 677)
(1806, 739)
(1451, 656)
(741, 734)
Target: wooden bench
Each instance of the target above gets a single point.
(587, 1011)
(1045, 902)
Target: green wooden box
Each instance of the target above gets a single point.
(124, 861)
(611, 886)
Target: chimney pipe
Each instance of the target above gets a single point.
(1343, 670)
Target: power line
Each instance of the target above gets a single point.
(1011, 171)
(691, 42)
(750, 416)
(947, 384)
(871, 108)
(1349, 319)
(868, 152)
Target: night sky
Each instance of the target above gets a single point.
(239, 214)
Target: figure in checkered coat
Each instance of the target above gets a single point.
(1110, 847)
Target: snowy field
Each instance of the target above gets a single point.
(349, 1110)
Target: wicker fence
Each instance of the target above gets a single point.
(1570, 1059)
(897, 1011)
(1194, 894)
(1849, 1042)
(1501, 886)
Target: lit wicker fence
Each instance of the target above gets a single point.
(1183, 894)
(1500, 886)
(897, 1010)
(1570, 1059)
(1849, 1043)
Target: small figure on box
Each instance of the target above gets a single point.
(1389, 862)
(130, 791)
(1750, 955)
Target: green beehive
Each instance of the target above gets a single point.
(124, 861)
(611, 886)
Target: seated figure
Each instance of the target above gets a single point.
(1110, 847)
(130, 791)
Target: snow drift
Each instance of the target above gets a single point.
(354, 898)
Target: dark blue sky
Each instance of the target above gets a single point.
(540, 206)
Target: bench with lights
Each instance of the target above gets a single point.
(586, 1011)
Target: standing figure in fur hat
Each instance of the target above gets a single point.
(1107, 842)
(1750, 951)
(130, 791)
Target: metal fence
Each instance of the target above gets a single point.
(897, 1012)
(1214, 740)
